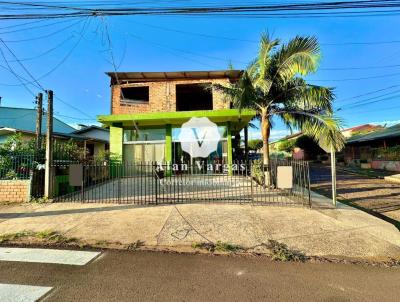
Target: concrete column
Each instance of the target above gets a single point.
(229, 147)
(168, 149)
(116, 142)
(168, 143)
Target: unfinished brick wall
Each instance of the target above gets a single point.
(162, 96)
(15, 190)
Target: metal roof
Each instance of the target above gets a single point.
(169, 75)
(24, 119)
(390, 132)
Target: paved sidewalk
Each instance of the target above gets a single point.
(321, 231)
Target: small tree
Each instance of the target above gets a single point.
(286, 145)
(255, 144)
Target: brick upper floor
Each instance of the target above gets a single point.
(140, 92)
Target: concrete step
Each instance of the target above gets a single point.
(393, 178)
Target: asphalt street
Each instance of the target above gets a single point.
(150, 276)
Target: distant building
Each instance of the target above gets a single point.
(23, 120)
(379, 149)
(360, 130)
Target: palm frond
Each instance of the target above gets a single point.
(299, 56)
(323, 128)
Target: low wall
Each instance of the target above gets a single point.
(15, 190)
(386, 165)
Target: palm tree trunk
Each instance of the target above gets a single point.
(265, 131)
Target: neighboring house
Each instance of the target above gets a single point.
(148, 109)
(380, 149)
(23, 120)
(360, 130)
(297, 153)
(349, 134)
(96, 138)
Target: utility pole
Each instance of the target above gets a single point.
(333, 170)
(39, 102)
(246, 144)
(49, 146)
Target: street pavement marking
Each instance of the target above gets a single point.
(47, 256)
(22, 293)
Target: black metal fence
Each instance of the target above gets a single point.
(16, 166)
(155, 183)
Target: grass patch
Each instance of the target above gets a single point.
(15, 236)
(39, 200)
(46, 236)
(219, 246)
(135, 245)
(281, 252)
(204, 246)
(227, 247)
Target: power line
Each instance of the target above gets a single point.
(76, 118)
(45, 52)
(360, 68)
(63, 60)
(218, 37)
(290, 10)
(15, 74)
(175, 52)
(73, 107)
(187, 51)
(360, 78)
(34, 27)
(23, 24)
(372, 102)
(35, 81)
(22, 65)
(369, 93)
(378, 109)
(44, 36)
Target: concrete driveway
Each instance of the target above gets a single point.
(321, 231)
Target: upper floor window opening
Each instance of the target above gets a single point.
(137, 94)
(194, 97)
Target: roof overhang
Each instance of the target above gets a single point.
(173, 75)
(237, 118)
(5, 130)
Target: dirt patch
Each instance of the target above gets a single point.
(372, 194)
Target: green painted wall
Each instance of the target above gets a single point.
(168, 143)
(116, 140)
(229, 141)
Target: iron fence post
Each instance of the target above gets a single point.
(83, 184)
(309, 186)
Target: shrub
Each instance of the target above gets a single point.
(281, 252)
(255, 144)
(286, 145)
(257, 171)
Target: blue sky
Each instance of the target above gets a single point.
(77, 66)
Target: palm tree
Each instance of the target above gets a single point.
(273, 85)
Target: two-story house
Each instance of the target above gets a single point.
(148, 109)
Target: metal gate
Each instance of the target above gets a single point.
(154, 183)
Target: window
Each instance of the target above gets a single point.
(150, 134)
(193, 97)
(135, 94)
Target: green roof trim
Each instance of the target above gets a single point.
(391, 132)
(237, 118)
